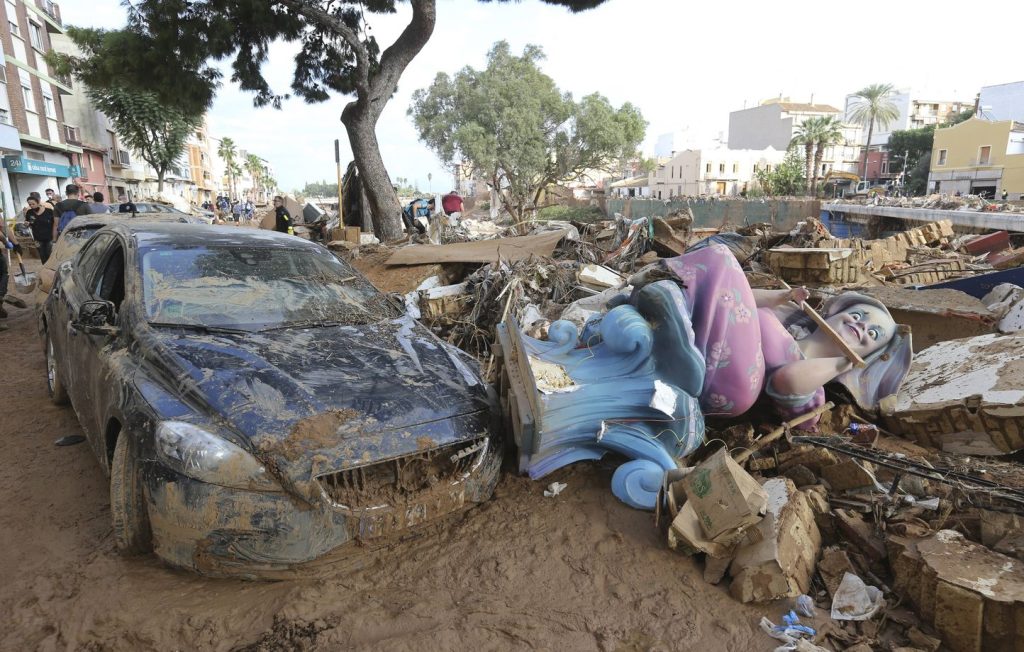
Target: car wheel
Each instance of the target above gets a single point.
(132, 534)
(54, 385)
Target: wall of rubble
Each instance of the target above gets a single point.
(783, 214)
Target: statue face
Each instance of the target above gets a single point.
(865, 328)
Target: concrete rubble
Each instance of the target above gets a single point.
(860, 511)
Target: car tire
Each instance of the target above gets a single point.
(129, 516)
(54, 384)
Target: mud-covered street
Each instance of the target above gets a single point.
(578, 572)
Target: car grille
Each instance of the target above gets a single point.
(393, 482)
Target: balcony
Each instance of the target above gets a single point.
(51, 9)
(72, 135)
(119, 158)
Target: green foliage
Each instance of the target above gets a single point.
(956, 119)
(817, 134)
(157, 132)
(874, 106)
(320, 189)
(917, 142)
(786, 178)
(568, 213)
(916, 183)
(516, 129)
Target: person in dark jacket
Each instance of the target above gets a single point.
(68, 209)
(40, 219)
(283, 217)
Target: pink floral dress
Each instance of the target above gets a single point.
(743, 346)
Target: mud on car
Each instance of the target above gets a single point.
(256, 402)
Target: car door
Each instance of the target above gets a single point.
(97, 373)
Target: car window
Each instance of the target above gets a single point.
(88, 259)
(255, 287)
(109, 284)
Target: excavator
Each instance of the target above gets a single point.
(847, 184)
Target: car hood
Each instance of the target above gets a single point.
(314, 400)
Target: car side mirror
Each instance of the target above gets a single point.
(96, 318)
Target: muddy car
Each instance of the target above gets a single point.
(256, 402)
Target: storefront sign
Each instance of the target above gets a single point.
(22, 165)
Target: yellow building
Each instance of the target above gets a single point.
(979, 157)
(201, 165)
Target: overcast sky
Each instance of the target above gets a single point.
(684, 63)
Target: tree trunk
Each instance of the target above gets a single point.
(867, 150)
(808, 165)
(819, 154)
(382, 205)
(360, 118)
(160, 172)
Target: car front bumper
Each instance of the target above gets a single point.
(220, 531)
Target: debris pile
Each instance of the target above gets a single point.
(864, 528)
(937, 201)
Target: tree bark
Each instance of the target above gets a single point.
(360, 119)
(867, 150)
(808, 166)
(819, 154)
(160, 180)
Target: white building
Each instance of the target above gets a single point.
(774, 123)
(711, 171)
(916, 110)
(1002, 102)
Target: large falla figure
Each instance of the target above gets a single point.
(694, 339)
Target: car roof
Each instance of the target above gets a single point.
(104, 219)
(157, 234)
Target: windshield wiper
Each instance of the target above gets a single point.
(202, 328)
(312, 323)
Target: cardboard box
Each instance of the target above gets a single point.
(725, 498)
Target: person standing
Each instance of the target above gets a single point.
(52, 197)
(40, 219)
(126, 206)
(97, 206)
(7, 243)
(68, 209)
(283, 219)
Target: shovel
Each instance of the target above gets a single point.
(26, 282)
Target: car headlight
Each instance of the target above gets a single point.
(199, 454)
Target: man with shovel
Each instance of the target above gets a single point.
(8, 243)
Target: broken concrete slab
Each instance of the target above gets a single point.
(782, 562)
(600, 277)
(974, 597)
(847, 476)
(860, 534)
(936, 315)
(817, 265)
(834, 564)
(965, 396)
(480, 251)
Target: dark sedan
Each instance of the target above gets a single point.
(256, 401)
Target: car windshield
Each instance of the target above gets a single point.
(255, 288)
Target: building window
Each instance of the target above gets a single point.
(26, 94)
(885, 166)
(35, 35)
(707, 168)
(942, 157)
(735, 168)
(49, 106)
(721, 168)
(14, 28)
(984, 154)
(673, 173)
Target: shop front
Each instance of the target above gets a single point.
(31, 175)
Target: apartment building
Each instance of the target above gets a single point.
(774, 123)
(718, 171)
(31, 104)
(915, 111)
(979, 157)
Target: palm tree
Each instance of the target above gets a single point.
(873, 107)
(829, 133)
(228, 151)
(254, 166)
(807, 135)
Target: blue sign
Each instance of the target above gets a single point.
(22, 165)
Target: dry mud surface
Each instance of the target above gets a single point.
(577, 572)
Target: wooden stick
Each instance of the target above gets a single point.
(778, 432)
(851, 355)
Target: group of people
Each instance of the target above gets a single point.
(225, 207)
